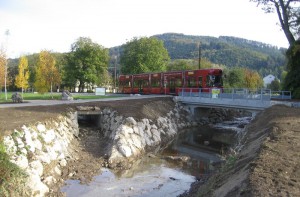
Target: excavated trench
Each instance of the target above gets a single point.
(193, 155)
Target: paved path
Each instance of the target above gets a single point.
(60, 102)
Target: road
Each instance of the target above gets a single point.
(59, 102)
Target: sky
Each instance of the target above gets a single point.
(54, 25)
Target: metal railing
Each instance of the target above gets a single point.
(235, 93)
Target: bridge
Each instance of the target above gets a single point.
(252, 100)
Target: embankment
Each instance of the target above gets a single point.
(268, 163)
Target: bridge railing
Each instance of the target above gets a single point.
(234, 93)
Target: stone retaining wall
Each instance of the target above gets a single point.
(132, 138)
(41, 150)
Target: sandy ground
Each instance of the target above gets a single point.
(268, 165)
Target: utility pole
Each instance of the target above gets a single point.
(116, 58)
(199, 65)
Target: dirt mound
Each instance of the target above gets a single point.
(269, 163)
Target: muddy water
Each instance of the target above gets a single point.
(195, 154)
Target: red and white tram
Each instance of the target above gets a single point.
(171, 82)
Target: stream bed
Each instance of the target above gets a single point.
(195, 154)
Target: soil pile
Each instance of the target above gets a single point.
(269, 163)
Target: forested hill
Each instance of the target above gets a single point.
(225, 50)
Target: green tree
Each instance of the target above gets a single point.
(86, 63)
(47, 74)
(188, 64)
(23, 74)
(274, 85)
(144, 55)
(288, 15)
(235, 78)
(292, 79)
(288, 12)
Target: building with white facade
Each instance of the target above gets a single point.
(268, 80)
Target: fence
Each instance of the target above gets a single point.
(235, 93)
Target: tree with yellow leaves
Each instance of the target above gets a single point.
(47, 73)
(2, 68)
(23, 76)
(252, 79)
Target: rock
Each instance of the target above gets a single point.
(38, 166)
(125, 151)
(49, 136)
(41, 128)
(57, 170)
(35, 184)
(10, 145)
(21, 161)
(20, 143)
(130, 121)
(63, 162)
(49, 180)
(66, 95)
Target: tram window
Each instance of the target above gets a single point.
(136, 84)
(155, 83)
(191, 82)
(125, 84)
(211, 80)
(218, 81)
(178, 83)
(200, 82)
(145, 82)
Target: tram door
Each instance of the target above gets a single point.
(172, 85)
(140, 86)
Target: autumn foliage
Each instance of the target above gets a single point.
(23, 76)
(47, 74)
(2, 68)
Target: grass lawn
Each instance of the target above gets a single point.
(48, 96)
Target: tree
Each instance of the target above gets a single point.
(23, 75)
(144, 55)
(2, 68)
(188, 64)
(47, 74)
(288, 12)
(252, 79)
(86, 63)
(235, 78)
(292, 79)
(274, 85)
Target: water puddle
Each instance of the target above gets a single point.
(152, 178)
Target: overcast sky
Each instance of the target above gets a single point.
(36, 25)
